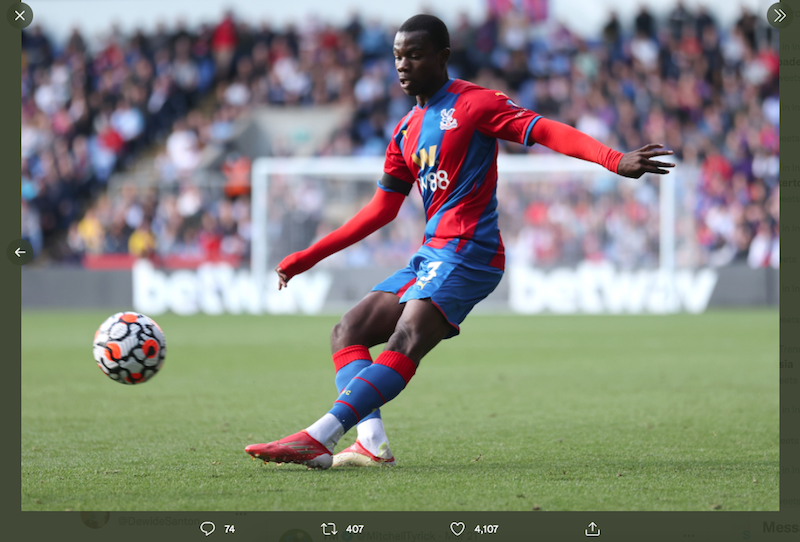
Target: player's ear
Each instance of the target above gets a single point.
(444, 56)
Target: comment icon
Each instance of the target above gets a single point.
(207, 527)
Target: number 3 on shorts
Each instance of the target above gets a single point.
(432, 267)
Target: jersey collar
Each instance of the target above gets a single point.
(438, 95)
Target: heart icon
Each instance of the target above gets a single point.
(457, 527)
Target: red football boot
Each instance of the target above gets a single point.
(299, 448)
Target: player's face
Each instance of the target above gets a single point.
(421, 68)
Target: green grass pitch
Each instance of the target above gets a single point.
(672, 412)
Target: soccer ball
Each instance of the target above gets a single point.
(129, 347)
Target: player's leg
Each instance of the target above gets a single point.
(371, 322)
(418, 330)
(420, 327)
(444, 292)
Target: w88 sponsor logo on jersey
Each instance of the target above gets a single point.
(433, 181)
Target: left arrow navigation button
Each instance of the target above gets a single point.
(19, 252)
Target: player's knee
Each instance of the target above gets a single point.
(347, 332)
(339, 335)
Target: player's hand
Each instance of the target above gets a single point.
(283, 278)
(636, 163)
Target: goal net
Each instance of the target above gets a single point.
(578, 238)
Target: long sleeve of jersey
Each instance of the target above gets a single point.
(381, 210)
(567, 140)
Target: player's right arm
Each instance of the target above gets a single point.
(381, 210)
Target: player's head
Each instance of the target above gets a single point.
(421, 51)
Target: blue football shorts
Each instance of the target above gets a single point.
(454, 284)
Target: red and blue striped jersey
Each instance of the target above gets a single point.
(449, 148)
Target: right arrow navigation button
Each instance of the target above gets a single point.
(780, 15)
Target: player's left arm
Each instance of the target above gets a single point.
(567, 140)
(495, 114)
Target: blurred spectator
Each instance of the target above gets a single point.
(116, 240)
(223, 44)
(142, 243)
(645, 24)
(90, 230)
(31, 229)
(127, 121)
(210, 236)
(679, 20)
(183, 148)
(237, 175)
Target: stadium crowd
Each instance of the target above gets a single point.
(709, 93)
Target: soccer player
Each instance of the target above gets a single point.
(447, 145)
